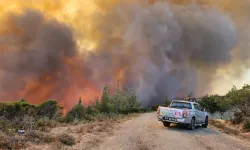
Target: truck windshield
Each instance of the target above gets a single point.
(181, 105)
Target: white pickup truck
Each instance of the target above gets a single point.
(188, 113)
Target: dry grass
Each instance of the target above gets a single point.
(14, 142)
(83, 134)
(224, 127)
(3, 141)
(94, 141)
(39, 137)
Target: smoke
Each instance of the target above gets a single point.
(34, 50)
(159, 49)
(169, 49)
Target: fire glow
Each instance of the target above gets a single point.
(66, 49)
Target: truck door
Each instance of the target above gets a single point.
(197, 113)
(202, 114)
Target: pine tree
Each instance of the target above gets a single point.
(22, 100)
(80, 101)
(104, 100)
(97, 104)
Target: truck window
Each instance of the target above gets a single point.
(197, 107)
(181, 105)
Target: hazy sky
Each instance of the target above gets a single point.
(224, 85)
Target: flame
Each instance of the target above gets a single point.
(64, 112)
(80, 16)
(67, 12)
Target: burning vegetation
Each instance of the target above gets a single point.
(66, 49)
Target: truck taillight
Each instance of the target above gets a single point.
(185, 114)
(158, 110)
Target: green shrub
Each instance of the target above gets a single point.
(42, 122)
(77, 112)
(22, 115)
(4, 125)
(214, 103)
(238, 118)
(16, 109)
(105, 100)
(92, 110)
(2, 108)
(48, 108)
(124, 102)
(240, 100)
(246, 124)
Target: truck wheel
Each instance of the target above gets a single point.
(192, 124)
(206, 123)
(166, 124)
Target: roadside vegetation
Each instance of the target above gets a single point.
(22, 123)
(237, 100)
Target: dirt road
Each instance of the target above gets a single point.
(146, 133)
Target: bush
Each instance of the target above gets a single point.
(16, 109)
(67, 139)
(48, 108)
(246, 124)
(238, 118)
(34, 136)
(92, 110)
(4, 125)
(14, 142)
(77, 112)
(125, 102)
(45, 122)
(48, 138)
(105, 100)
(214, 103)
(4, 144)
(240, 99)
(39, 137)
(41, 122)
(22, 115)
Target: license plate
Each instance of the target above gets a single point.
(170, 119)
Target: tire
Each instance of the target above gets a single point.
(191, 126)
(206, 123)
(166, 124)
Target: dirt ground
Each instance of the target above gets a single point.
(146, 133)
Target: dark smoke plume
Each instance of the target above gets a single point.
(36, 50)
(161, 49)
(165, 50)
